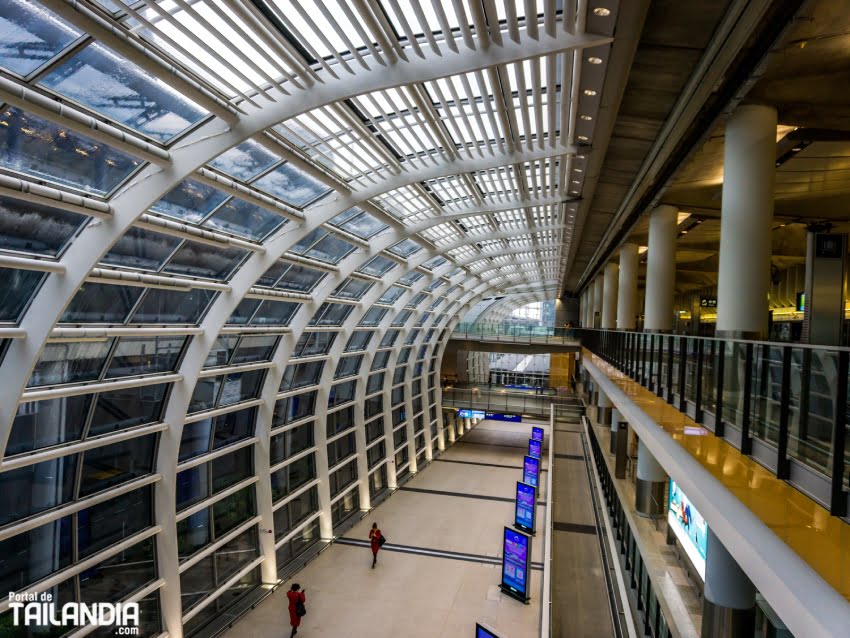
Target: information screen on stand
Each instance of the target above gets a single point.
(516, 559)
(526, 500)
(537, 434)
(534, 447)
(531, 471)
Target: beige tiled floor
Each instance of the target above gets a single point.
(821, 540)
(418, 596)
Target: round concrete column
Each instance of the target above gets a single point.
(603, 408)
(609, 296)
(588, 312)
(746, 216)
(627, 287)
(598, 292)
(728, 609)
(649, 491)
(660, 269)
(467, 424)
(616, 417)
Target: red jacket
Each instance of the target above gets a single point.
(375, 540)
(295, 619)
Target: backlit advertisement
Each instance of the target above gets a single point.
(534, 448)
(526, 499)
(531, 470)
(500, 416)
(689, 527)
(537, 434)
(470, 414)
(516, 558)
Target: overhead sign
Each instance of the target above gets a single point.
(689, 526)
(708, 302)
(516, 560)
(470, 414)
(534, 448)
(531, 470)
(526, 501)
(499, 416)
(537, 434)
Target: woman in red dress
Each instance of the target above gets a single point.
(375, 542)
(294, 595)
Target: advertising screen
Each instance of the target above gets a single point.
(534, 448)
(483, 632)
(499, 416)
(516, 557)
(526, 499)
(537, 434)
(470, 414)
(531, 470)
(689, 526)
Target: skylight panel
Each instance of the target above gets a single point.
(245, 161)
(378, 266)
(34, 229)
(190, 201)
(238, 217)
(405, 248)
(435, 262)
(36, 147)
(118, 89)
(291, 185)
(30, 36)
(321, 245)
(358, 222)
(410, 278)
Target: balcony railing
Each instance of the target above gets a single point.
(507, 401)
(783, 404)
(514, 334)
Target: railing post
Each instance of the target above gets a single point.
(746, 439)
(698, 381)
(838, 500)
(683, 371)
(782, 464)
(659, 386)
(719, 427)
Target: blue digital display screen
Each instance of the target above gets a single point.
(531, 470)
(498, 416)
(526, 497)
(534, 448)
(537, 434)
(481, 632)
(470, 414)
(517, 550)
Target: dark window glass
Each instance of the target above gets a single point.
(341, 448)
(126, 408)
(411, 338)
(399, 374)
(274, 313)
(111, 465)
(299, 278)
(340, 420)
(101, 303)
(343, 477)
(233, 510)
(196, 583)
(313, 343)
(43, 150)
(195, 439)
(288, 479)
(236, 554)
(190, 201)
(194, 259)
(110, 522)
(288, 444)
(28, 557)
(231, 468)
(378, 481)
(397, 395)
(373, 405)
(399, 415)
(70, 362)
(221, 350)
(193, 533)
(342, 393)
(301, 375)
(192, 485)
(173, 306)
(35, 488)
(373, 316)
(375, 382)
(116, 578)
(294, 408)
(289, 516)
(205, 395)
(403, 356)
(244, 311)
(389, 339)
(31, 228)
(374, 430)
(238, 217)
(352, 288)
(233, 427)
(358, 340)
(380, 360)
(19, 287)
(241, 386)
(390, 296)
(254, 348)
(399, 437)
(376, 454)
(378, 266)
(145, 355)
(348, 366)
(303, 541)
(140, 248)
(331, 314)
(401, 318)
(40, 424)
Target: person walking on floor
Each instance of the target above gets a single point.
(297, 598)
(376, 540)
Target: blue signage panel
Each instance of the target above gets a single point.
(537, 434)
(516, 559)
(689, 527)
(526, 501)
(534, 448)
(470, 414)
(483, 632)
(531, 470)
(499, 416)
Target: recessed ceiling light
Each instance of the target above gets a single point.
(796, 149)
(583, 138)
(586, 118)
(575, 181)
(578, 170)
(589, 92)
(581, 156)
(594, 60)
(602, 11)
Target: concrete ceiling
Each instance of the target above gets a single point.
(805, 75)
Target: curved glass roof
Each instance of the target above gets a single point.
(194, 193)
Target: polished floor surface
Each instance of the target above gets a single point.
(821, 540)
(456, 509)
